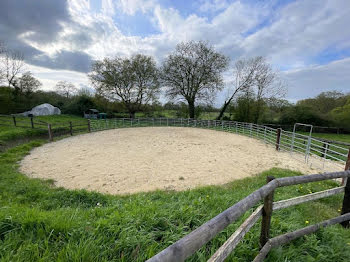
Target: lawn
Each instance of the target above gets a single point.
(39, 222)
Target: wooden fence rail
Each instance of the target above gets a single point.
(53, 130)
(188, 245)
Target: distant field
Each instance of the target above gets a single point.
(337, 137)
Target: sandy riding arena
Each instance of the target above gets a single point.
(133, 160)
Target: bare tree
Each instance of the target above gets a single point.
(244, 72)
(65, 89)
(13, 64)
(2, 67)
(268, 85)
(28, 84)
(133, 81)
(193, 72)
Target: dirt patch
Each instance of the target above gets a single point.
(122, 161)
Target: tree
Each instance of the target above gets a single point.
(65, 89)
(267, 85)
(2, 68)
(13, 65)
(193, 72)
(27, 84)
(132, 81)
(244, 72)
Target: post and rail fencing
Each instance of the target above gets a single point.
(44, 128)
(188, 245)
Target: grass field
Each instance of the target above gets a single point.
(39, 222)
(9, 132)
(336, 137)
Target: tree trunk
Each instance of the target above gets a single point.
(132, 114)
(224, 107)
(258, 111)
(191, 108)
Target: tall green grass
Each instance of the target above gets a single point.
(39, 222)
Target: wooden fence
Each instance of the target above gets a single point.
(51, 129)
(188, 245)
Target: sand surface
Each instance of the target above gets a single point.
(130, 160)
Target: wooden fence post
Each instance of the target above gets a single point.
(347, 167)
(278, 138)
(14, 120)
(50, 132)
(346, 200)
(89, 126)
(70, 128)
(31, 121)
(266, 215)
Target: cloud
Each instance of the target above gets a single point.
(68, 35)
(312, 80)
(130, 7)
(298, 32)
(50, 77)
(212, 6)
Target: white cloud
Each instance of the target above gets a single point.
(50, 77)
(291, 37)
(130, 7)
(312, 80)
(300, 31)
(212, 6)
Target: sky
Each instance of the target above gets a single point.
(308, 41)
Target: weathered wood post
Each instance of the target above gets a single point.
(31, 122)
(70, 128)
(89, 126)
(347, 167)
(346, 201)
(14, 120)
(50, 132)
(278, 139)
(266, 215)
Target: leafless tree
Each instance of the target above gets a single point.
(13, 66)
(268, 85)
(244, 73)
(133, 81)
(2, 67)
(193, 72)
(65, 89)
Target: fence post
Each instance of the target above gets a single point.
(50, 132)
(14, 120)
(70, 128)
(266, 215)
(250, 129)
(31, 122)
(89, 126)
(265, 134)
(346, 200)
(347, 167)
(278, 138)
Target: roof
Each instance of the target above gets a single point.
(93, 110)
